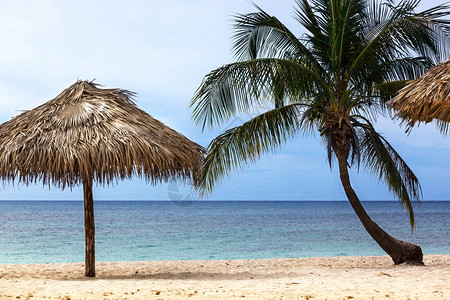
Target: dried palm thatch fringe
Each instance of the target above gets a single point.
(91, 132)
(426, 98)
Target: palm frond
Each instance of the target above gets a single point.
(381, 158)
(304, 13)
(404, 68)
(260, 35)
(382, 83)
(310, 120)
(388, 90)
(236, 87)
(440, 25)
(398, 31)
(346, 33)
(241, 145)
(315, 25)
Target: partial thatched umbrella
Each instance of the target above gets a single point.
(87, 133)
(426, 98)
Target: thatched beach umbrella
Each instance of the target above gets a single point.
(427, 98)
(88, 133)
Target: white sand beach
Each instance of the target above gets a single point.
(373, 277)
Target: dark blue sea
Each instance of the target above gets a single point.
(53, 231)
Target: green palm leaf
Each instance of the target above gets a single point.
(241, 145)
(236, 88)
(381, 158)
(398, 29)
(261, 35)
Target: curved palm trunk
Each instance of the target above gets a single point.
(89, 228)
(398, 250)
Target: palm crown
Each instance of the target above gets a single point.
(335, 79)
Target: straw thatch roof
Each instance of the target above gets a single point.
(91, 132)
(426, 98)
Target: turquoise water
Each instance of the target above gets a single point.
(53, 231)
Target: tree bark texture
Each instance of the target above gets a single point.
(398, 250)
(89, 228)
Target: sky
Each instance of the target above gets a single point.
(162, 50)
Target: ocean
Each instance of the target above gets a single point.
(53, 231)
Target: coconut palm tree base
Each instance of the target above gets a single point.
(399, 251)
(408, 253)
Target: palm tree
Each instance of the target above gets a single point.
(334, 79)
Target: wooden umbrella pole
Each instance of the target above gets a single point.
(89, 228)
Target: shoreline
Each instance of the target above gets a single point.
(209, 260)
(359, 277)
